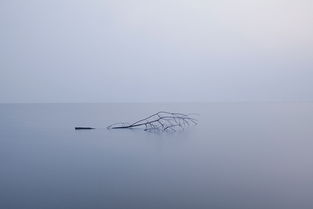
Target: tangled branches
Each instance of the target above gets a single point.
(160, 122)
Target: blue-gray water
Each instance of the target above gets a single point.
(239, 156)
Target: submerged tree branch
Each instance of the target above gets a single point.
(160, 122)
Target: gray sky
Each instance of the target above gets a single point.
(156, 51)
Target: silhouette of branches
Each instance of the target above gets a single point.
(160, 122)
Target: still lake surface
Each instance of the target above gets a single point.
(245, 155)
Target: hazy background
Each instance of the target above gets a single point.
(155, 51)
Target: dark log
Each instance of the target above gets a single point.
(83, 128)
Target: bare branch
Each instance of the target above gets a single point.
(161, 122)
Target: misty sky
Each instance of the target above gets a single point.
(156, 51)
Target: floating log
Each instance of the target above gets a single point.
(83, 128)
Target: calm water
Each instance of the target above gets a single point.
(239, 156)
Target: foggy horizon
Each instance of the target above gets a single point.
(156, 51)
